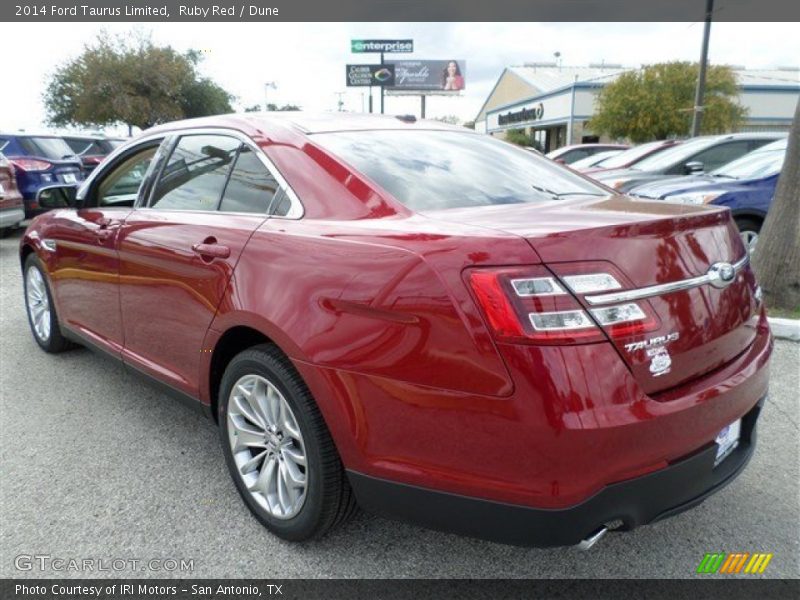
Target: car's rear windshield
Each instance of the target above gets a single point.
(87, 147)
(53, 148)
(629, 156)
(430, 170)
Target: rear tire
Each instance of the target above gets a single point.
(749, 230)
(278, 449)
(41, 311)
(5, 232)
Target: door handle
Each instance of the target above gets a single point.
(212, 250)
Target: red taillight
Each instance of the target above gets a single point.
(31, 164)
(534, 305)
(528, 305)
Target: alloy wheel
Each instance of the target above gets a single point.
(267, 446)
(38, 303)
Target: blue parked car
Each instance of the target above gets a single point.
(39, 161)
(745, 185)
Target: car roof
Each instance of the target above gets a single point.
(275, 125)
(30, 134)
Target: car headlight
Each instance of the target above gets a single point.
(694, 198)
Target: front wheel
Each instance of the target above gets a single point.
(41, 311)
(278, 448)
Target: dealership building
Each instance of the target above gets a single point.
(554, 103)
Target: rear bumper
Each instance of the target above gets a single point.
(11, 216)
(625, 505)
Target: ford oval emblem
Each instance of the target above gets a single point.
(721, 274)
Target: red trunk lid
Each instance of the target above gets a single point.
(647, 244)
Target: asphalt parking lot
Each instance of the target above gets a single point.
(96, 464)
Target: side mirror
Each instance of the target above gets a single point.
(694, 167)
(57, 196)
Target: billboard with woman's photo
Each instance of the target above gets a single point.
(430, 76)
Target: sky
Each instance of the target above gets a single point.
(306, 61)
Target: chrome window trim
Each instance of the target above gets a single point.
(296, 211)
(663, 288)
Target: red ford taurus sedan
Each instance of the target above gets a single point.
(416, 319)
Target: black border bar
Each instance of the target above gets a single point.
(398, 11)
(730, 588)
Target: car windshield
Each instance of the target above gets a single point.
(676, 154)
(53, 148)
(630, 156)
(429, 170)
(761, 163)
(115, 143)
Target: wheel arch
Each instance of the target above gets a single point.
(749, 214)
(24, 252)
(233, 341)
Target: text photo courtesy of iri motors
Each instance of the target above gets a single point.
(495, 299)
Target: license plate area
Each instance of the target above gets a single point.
(70, 178)
(727, 440)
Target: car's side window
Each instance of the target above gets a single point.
(251, 186)
(120, 186)
(281, 205)
(195, 174)
(720, 155)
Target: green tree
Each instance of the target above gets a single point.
(519, 137)
(128, 79)
(656, 102)
(286, 107)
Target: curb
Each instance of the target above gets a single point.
(785, 329)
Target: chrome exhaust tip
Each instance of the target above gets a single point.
(593, 539)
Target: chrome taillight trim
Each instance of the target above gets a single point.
(710, 278)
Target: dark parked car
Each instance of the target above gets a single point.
(698, 155)
(746, 186)
(631, 156)
(567, 155)
(12, 210)
(40, 161)
(92, 149)
(415, 318)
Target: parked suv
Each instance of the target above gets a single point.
(745, 185)
(40, 161)
(698, 155)
(12, 210)
(414, 318)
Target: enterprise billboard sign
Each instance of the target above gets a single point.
(394, 46)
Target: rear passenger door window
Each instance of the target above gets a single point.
(195, 174)
(719, 155)
(251, 187)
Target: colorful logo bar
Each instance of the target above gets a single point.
(735, 562)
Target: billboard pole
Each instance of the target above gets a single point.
(370, 99)
(381, 86)
(422, 106)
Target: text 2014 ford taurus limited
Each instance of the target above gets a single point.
(416, 319)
